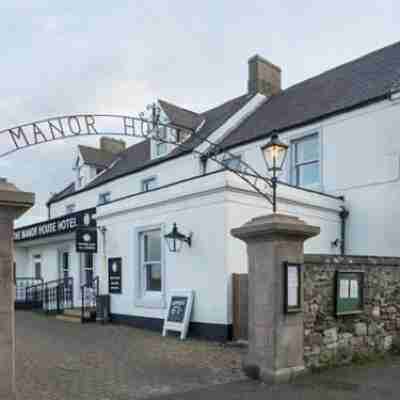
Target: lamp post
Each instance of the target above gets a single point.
(274, 153)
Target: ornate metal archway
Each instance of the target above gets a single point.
(70, 126)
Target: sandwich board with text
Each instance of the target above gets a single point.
(177, 317)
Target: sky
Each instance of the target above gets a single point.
(68, 57)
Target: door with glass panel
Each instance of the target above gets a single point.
(87, 269)
(151, 263)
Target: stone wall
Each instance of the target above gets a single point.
(332, 340)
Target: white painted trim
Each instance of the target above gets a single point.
(234, 121)
(142, 299)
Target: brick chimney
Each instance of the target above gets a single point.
(112, 145)
(264, 77)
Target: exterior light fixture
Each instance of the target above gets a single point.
(175, 240)
(274, 153)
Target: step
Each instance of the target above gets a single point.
(74, 312)
(69, 319)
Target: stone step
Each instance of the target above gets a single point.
(68, 319)
(75, 312)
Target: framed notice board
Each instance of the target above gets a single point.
(349, 292)
(293, 287)
(115, 275)
(177, 316)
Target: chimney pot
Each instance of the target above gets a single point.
(264, 77)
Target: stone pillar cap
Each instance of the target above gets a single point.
(12, 197)
(275, 226)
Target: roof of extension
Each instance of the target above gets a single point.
(96, 157)
(348, 86)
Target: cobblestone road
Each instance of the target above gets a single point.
(62, 360)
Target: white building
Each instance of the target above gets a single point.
(342, 129)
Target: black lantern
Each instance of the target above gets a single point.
(175, 239)
(274, 153)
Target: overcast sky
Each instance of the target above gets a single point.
(65, 57)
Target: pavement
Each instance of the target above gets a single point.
(62, 360)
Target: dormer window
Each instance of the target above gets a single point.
(161, 147)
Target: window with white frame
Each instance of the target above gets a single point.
(151, 260)
(161, 147)
(104, 198)
(70, 208)
(149, 184)
(233, 162)
(306, 161)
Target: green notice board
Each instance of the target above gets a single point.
(349, 292)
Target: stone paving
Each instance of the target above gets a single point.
(64, 360)
(61, 360)
(375, 381)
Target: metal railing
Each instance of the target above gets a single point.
(89, 292)
(52, 296)
(20, 287)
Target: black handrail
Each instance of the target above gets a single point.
(21, 283)
(89, 292)
(52, 296)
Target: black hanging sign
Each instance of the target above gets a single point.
(86, 240)
(115, 275)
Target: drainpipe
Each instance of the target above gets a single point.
(48, 211)
(344, 214)
(203, 160)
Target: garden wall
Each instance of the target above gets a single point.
(331, 339)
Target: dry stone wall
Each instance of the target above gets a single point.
(335, 340)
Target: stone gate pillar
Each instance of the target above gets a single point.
(275, 338)
(13, 203)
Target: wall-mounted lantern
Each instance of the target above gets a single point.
(274, 153)
(175, 240)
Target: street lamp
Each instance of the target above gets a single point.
(274, 153)
(175, 239)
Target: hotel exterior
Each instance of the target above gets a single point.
(341, 174)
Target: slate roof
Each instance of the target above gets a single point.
(96, 157)
(354, 84)
(181, 116)
(350, 85)
(70, 189)
(137, 157)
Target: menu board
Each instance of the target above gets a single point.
(115, 275)
(292, 282)
(178, 312)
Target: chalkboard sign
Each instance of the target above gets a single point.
(115, 275)
(177, 309)
(178, 312)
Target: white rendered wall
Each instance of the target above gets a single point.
(360, 159)
(49, 250)
(209, 206)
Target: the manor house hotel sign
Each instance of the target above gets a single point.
(57, 226)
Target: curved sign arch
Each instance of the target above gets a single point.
(69, 126)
